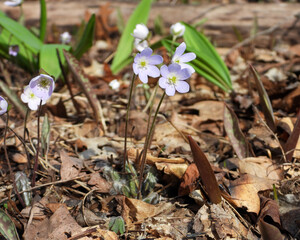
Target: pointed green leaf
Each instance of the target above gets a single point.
(86, 40)
(264, 100)
(125, 46)
(48, 58)
(117, 225)
(7, 227)
(43, 20)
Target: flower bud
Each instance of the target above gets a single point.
(177, 29)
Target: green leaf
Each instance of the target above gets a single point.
(48, 58)
(117, 225)
(125, 46)
(200, 45)
(86, 40)
(7, 227)
(21, 33)
(264, 100)
(43, 20)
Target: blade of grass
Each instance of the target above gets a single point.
(235, 134)
(86, 40)
(206, 173)
(43, 20)
(264, 100)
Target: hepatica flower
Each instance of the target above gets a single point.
(182, 59)
(13, 3)
(32, 100)
(3, 106)
(13, 50)
(177, 29)
(140, 45)
(141, 31)
(42, 86)
(144, 65)
(65, 37)
(173, 78)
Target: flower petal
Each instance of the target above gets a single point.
(163, 82)
(174, 67)
(188, 57)
(170, 90)
(143, 76)
(33, 106)
(182, 87)
(179, 50)
(188, 67)
(146, 52)
(155, 59)
(153, 71)
(135, 69)
(164, 71)
(184, 74)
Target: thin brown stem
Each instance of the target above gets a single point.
(5, 149)
(37, 148)
(126, 121)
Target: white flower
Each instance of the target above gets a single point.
(114, 84)
(13, 50)
(144, 65)
(141, 32)
(140, 45)
(177, 29)
(13, 3)
(3, 105)
(28, 97)
(182, 59)
(173, 78)
(65, 37)
(42, 86)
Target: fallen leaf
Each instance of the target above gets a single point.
(188, 180)
(99, 183)
(70, 166)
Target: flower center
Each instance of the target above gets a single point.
(31, 95)
(44, 83)
(172, 79)
(143, 63)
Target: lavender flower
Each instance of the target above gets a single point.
(141, 32)
(65, 37)
(177, 29)
(3, 106)
(42, 86)
(182, 59)
(173, 79)
(144, 65)
(13, 50)
(28, 97)
(13, 3)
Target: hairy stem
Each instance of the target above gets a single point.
(127, 119)
(37, 148)
(147, 144)
(5, 149)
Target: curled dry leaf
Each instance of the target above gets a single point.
(188, 180)
(100, 184)
(70, 166)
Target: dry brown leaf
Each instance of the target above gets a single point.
(70, 166)
(100, 184)
(19, 158)
(172, 169)
(262, 167)
(188, 181)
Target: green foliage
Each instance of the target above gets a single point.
(43, 20)
(208, 62)
(117, 225)
(48, 58)
(86, 40)
(124, 50)
(7, 227)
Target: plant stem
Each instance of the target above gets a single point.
(127, 119)
(147, 144)
(5, 149)
(24, 137)
(37, 148)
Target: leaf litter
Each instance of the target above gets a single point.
(211, 188)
